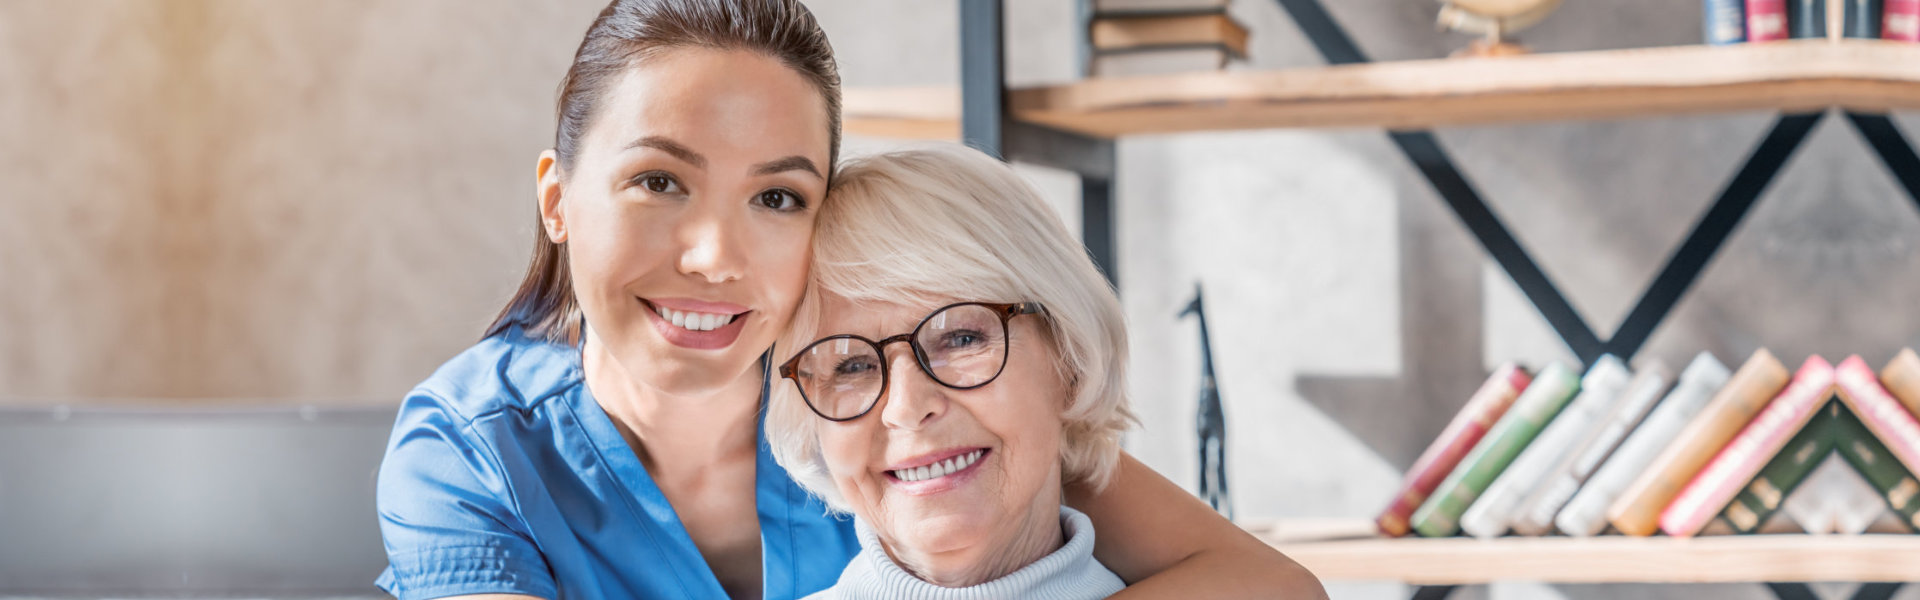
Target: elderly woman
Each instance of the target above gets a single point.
(951, 446)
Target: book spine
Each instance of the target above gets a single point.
(1900, 20)
(1637, 511)
(1439, 516)
(1485, 407)
(1863, 451)
(1725, 21)
(1902, 378)
(1766, 20)
(1491, 515)
(1884, 416)
(1807, 18)
(1761, 498)
(1586, 513)
(1862, 19)
(1535, 516)
(1741, 459)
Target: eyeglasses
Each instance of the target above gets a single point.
(962, 346)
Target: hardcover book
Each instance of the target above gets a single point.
(1637, 511)
(1740, 460)
(1761, 498)
(1766, 20)
(1491, 515)
(1549, 392)
(1900, 20)
(1725, 21)
(1586, 513)
(1535, 516)
(1467, 427)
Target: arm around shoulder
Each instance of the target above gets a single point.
(1168, 544)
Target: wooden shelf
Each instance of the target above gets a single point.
(1792, 75)
(925, 113)
(1346, 550)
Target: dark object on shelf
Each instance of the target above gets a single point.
(1725, 21)
(1806, 18)
(1210, 422)
(1862, 19)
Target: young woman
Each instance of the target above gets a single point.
(604, 440)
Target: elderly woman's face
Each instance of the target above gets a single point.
(1011, 425)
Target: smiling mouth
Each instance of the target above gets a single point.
(939, 469)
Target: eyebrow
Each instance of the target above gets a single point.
(791, 163)
(674, 148)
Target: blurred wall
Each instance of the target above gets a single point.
(217, 199)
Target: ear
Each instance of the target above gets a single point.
(547, 189)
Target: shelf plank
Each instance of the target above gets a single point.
(1795, 75)
(920, 113)
(1603, 559)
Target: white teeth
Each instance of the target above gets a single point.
(694, 321)
(939, 469)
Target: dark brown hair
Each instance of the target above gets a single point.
(628, 31)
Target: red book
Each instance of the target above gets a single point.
(1901, 20)
(1741, 459)
(1883, 415)
(1767, 20)
(1466, 429)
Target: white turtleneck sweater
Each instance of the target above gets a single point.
(1069, 573)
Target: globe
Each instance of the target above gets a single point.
(1494, 20)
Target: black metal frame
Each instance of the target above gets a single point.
(985, 125)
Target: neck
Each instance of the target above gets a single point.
(1029, 538)
(676, 432)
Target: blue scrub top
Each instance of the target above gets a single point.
(504, 475)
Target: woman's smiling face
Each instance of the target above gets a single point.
(1002, 442)
(688, 214)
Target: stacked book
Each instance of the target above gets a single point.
(1736, 21)
(1155, 37)
(1644, 451)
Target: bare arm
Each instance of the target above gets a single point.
(1168, 544)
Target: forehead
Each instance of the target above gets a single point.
(840, 315)
(729, 105)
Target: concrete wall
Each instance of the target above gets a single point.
(213, 200)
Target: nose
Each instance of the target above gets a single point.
(710, 240)
(912, 400)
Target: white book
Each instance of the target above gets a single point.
(1166, 61)
(1586, 513)
(1107, 6)
(1491, 515)
(1635, 398)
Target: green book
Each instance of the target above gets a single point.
(1439, 516)
(1761, 498)
(1868, 455)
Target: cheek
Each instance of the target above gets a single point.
(846, 450)
(783, 252)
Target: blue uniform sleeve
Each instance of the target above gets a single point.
(447, 512)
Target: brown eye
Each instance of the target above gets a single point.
(781, 200)
(659, 184)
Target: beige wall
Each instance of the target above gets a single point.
(294, 200)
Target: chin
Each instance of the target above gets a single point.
(947, 531)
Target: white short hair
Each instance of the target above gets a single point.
(949, 223)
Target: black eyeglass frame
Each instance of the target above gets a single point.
(789, 369)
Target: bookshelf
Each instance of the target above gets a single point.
(1073, 126)
(1348, 550)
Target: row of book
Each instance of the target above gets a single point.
(1645, 452)
(1736, 21)
(1156, 37)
